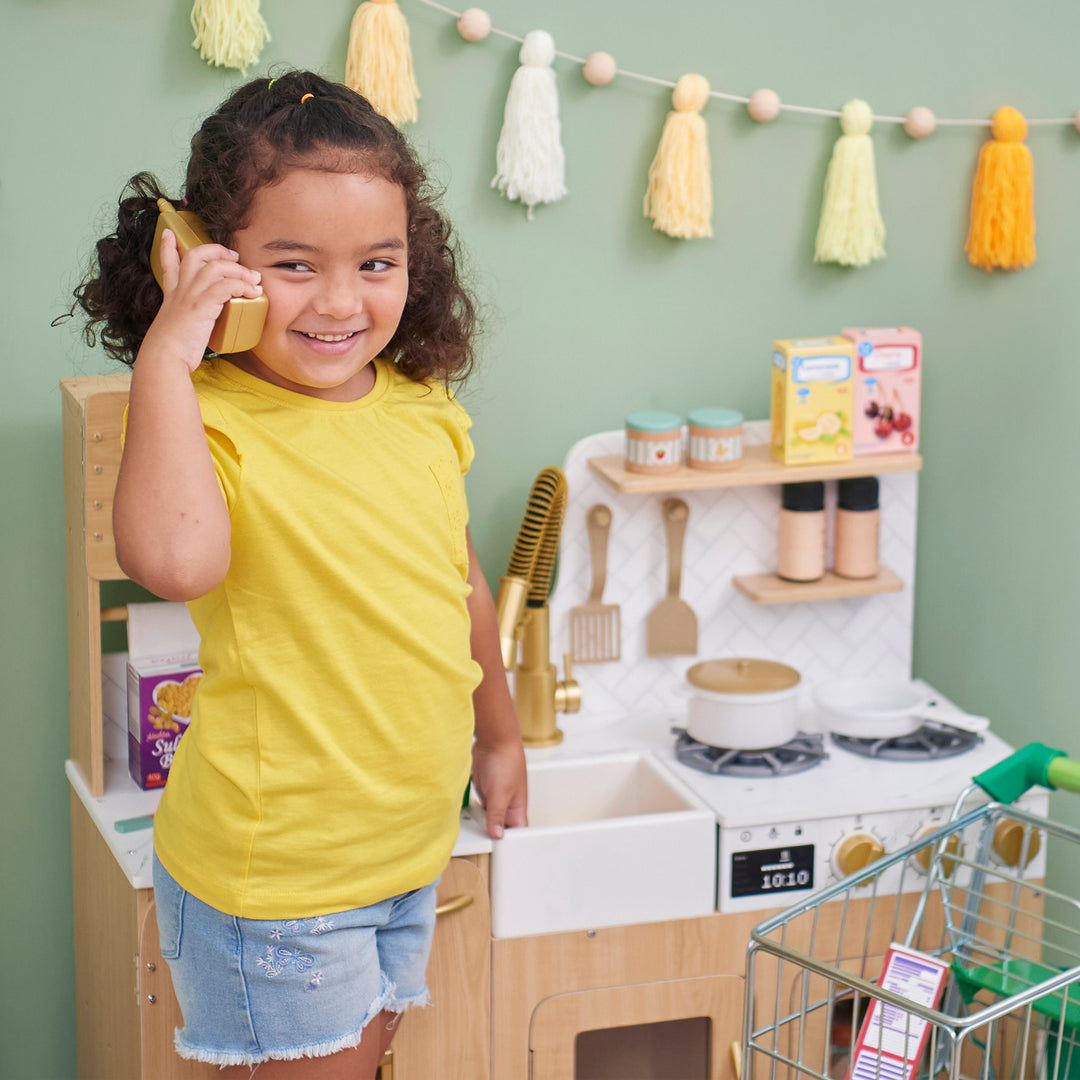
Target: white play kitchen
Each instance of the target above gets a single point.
(722, 742)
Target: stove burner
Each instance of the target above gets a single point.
(930, 743)
(802, 753)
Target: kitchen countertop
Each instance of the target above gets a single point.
(124, 799)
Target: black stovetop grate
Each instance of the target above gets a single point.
(932, 742)
(801, 753)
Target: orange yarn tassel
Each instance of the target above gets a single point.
(1002, 232)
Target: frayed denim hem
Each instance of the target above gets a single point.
(399, 1005)
(323, 1049)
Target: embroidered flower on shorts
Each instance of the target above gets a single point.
(282, 959)
(315, 981)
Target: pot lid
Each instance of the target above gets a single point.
(740, 675)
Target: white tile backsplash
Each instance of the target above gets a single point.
(730, 531)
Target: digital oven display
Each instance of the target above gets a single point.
(758, 873)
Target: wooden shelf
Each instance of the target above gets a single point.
(758, 468)
(770, 589)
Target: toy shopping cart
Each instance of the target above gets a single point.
(968, 969)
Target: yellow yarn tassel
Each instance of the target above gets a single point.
(679, 195)
(379, 64)
(229, 33)
(1002, 231)
(851, 231)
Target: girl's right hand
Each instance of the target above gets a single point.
(196, 287)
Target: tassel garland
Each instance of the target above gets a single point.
(1002, 230)
(529, 159)
(229, 33)
(679, 193)
(851, 231)
(379, 63)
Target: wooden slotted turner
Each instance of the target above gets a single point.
(671, 628)
(595, 634)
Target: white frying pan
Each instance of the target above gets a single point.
(874, 709)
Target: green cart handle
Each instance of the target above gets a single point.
(1033, 764)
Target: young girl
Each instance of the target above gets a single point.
(306, 499)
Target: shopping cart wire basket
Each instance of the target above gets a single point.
(968, 897)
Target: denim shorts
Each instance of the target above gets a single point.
(255, 989)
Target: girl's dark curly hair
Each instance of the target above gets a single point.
(257, 135)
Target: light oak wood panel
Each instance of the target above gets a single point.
(107, 915)
(92, 418)
(558, 1020)
(450, 1039)
(526, 971)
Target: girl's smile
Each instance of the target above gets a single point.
(332, 251)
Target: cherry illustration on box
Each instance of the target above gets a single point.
(888, 388)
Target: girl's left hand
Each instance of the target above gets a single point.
(501, 784)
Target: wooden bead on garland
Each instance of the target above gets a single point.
(920, 122)
(763, 106)
(474, 24)
(379, 64)
(599, 68)
(1002, 232)
(679, 195)
(530, 163)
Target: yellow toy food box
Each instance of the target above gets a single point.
(812, 400)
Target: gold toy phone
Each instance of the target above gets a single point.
(240, 324)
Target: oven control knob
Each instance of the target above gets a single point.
(1013, 841)
(924, 855)
(856, 852)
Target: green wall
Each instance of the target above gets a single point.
(590, 314)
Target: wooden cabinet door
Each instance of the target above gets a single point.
(159, 1012)
(451, 1039)
(557, 1021)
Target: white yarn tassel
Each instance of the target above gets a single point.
(530, 164)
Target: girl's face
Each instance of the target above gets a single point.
(331, 248)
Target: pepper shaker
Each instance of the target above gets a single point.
(858, 528)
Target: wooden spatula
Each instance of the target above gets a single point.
(671, 628)
(594, 627)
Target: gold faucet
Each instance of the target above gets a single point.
(524, 619)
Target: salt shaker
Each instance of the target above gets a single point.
(801, 543)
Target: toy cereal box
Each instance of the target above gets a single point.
(163, 674)
(812, 400)
(888, 378)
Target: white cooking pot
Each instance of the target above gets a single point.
(741, 704)
(874, 709)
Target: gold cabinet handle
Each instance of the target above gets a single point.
(455, 903)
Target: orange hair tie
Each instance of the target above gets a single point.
(305, 97)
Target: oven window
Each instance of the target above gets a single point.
(672, 1050)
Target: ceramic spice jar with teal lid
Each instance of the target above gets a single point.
(715, 439)
(654, 442)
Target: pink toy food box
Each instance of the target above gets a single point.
(162, 675)
(888, 387)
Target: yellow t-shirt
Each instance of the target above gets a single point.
(330, 739)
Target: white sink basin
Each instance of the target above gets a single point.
(612, 840)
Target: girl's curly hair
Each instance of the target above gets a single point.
(258, 134)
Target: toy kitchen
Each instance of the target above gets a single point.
(744, 739)
(737, 728)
